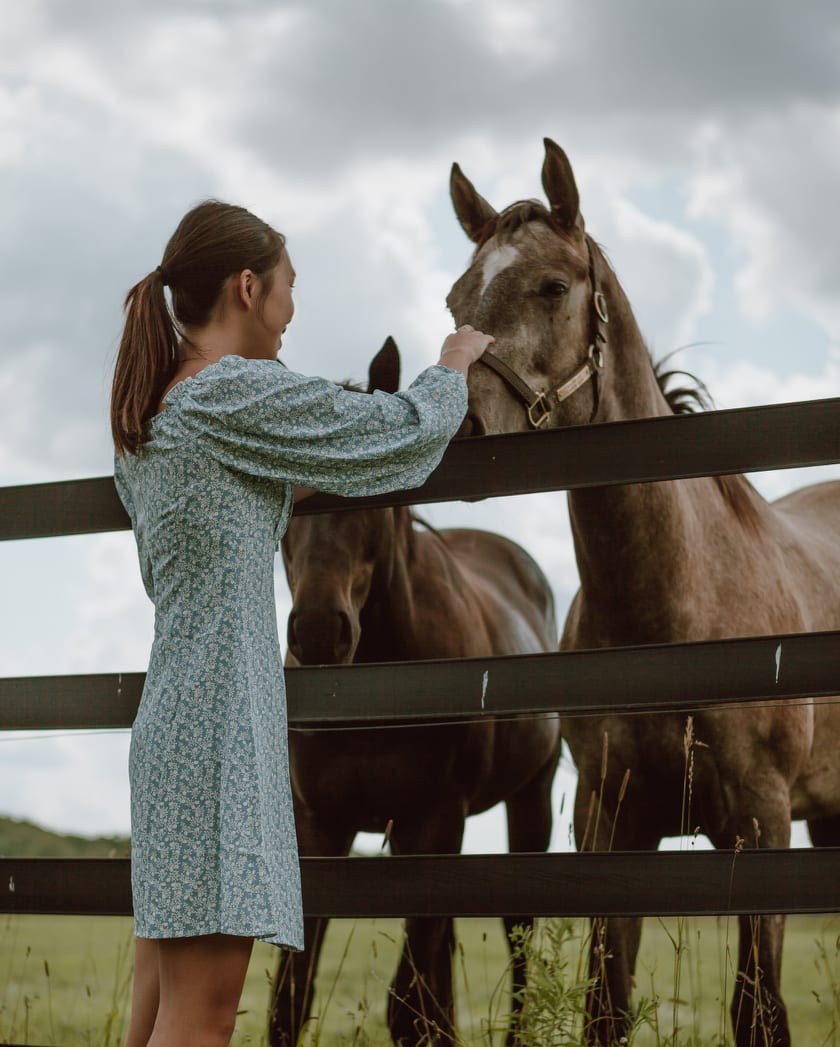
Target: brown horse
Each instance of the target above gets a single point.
(367, 586)
(659, 562)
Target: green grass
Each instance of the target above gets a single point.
(685, 976)
(66, 981)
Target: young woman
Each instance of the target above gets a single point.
(214, 441)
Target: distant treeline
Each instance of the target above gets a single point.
(21, 839)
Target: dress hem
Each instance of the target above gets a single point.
(271, 937)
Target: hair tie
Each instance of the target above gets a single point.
(163, 277)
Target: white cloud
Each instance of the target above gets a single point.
(21, 377)
(773, 186)
(76, 784)
(114, 620)
(744, 383)
(665, 271)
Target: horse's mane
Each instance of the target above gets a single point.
(506, 222)
(689, 397)
(416, 519)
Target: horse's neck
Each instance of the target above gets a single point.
(673, 560)
(629, 386)
(388, 616)
(646, 550)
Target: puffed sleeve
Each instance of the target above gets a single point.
(258, 417)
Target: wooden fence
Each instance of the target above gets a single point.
(629, 680)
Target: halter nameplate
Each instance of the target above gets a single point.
(575, 382)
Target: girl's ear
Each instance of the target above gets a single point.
(246, 288)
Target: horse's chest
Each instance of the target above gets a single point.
(355, 777)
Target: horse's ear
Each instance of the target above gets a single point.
(384, 371)
(559, 184)
(472, 209)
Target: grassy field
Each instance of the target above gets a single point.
(65, 980)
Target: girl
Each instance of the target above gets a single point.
(214, 441)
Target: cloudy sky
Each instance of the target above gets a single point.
(706, 144)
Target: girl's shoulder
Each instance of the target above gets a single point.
(227, 381)
(233, 369)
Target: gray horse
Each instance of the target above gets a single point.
(688, 560)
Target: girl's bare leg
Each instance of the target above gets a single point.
(201, 981)
(145, 994)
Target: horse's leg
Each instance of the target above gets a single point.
(758, 1013)
(293, 989)
(421, 1005)
(294, 980)
(613, 949)
(614, 942)
(529, 819)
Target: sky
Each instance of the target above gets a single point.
(705, 141)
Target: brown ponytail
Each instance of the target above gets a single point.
(212, 241)
(146, 362)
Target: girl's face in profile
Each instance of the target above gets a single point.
(278, 307)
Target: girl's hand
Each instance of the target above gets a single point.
(463, 348)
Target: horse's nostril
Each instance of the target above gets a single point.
(317, 638)
(344, 630)
(292, 637)
(344, 640)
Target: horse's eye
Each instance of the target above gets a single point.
(553, 289)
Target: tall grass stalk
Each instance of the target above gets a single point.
(679, 942)
(605, 749)
(316, 1038)
(497, 994)
(120, 991)
(828, 964)
(49, 1001)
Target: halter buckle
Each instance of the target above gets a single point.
(600, 303)
(538, 403)
(596, 357)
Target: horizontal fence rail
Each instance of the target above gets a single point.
(780, 436)
(664, 677)
(573, 683)
(591, 884)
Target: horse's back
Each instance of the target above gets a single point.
(810, 518)
(510, 586)
(816, 507)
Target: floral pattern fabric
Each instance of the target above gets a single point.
(209, 496)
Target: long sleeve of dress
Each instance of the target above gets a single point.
(258, 417)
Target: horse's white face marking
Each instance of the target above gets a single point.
(495, 262)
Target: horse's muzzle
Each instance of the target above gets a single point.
(320, 638)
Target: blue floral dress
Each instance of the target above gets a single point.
(209, 496)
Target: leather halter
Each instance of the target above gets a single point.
(536, 401)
